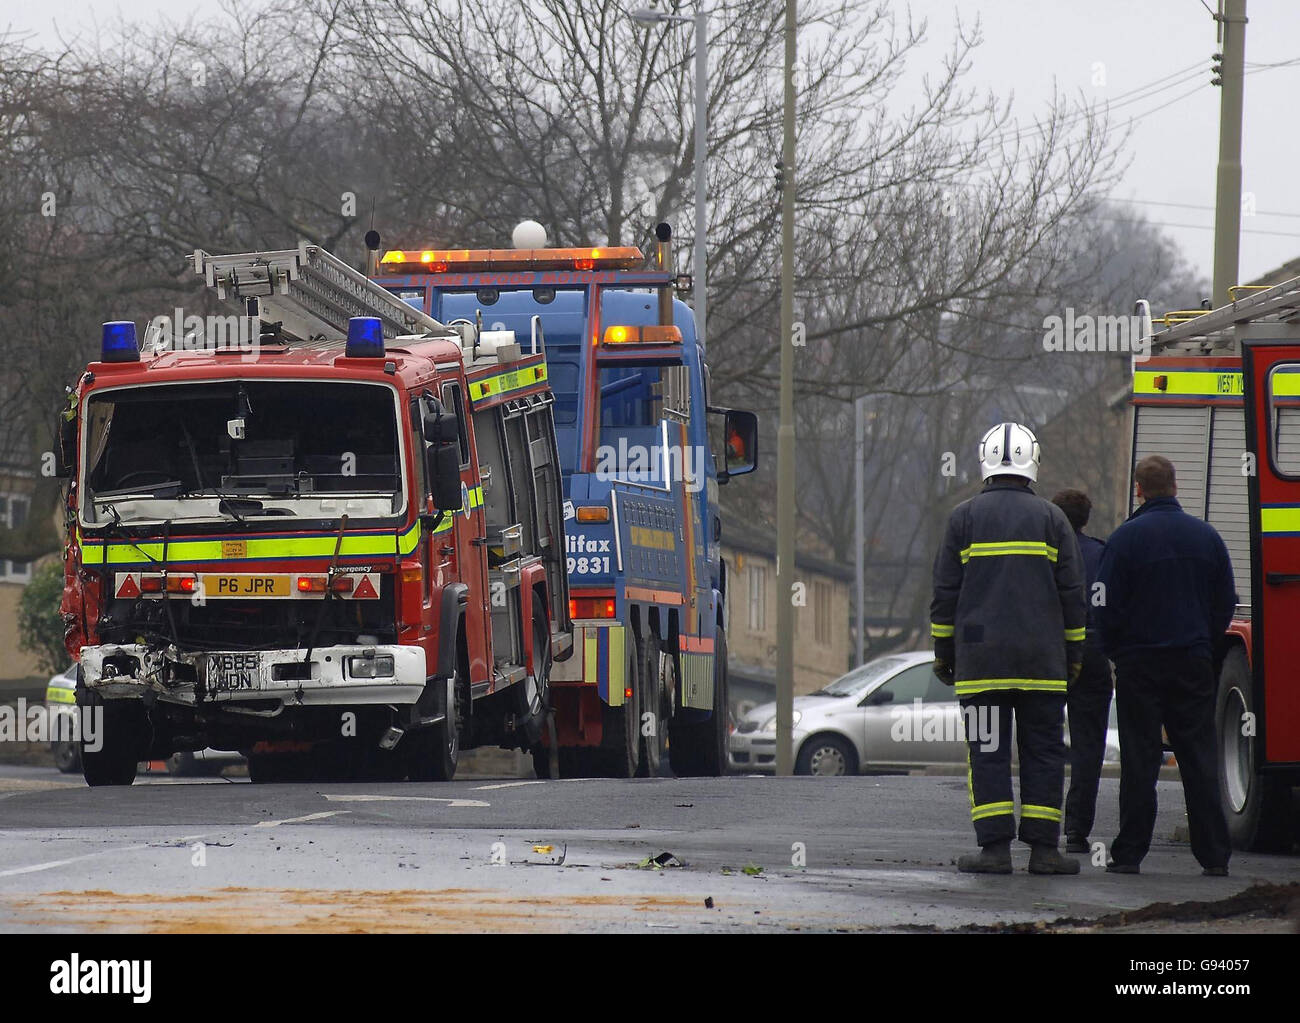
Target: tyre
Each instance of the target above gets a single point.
(827, 756)
(533, 694)
(67, 757)
(438, 753)
(654, 722)
(121, 745)
(1258, 808)
(620, 749)
(699, 748)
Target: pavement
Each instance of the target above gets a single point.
(505, 854)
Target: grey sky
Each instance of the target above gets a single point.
(1031, 46)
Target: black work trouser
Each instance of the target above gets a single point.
(1039, 720)
(1088, 706)
(1177, 689)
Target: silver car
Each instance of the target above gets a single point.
(891, 713)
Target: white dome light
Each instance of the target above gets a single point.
(529, 235)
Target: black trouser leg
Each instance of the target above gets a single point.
(1040, 733)
(988, 776)
(1137, 706)
(1188, 705)
(1088, 704)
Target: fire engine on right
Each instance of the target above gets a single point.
(1220, 398)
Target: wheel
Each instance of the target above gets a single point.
(122, 743)
(1258, 808)
(533, 694)
(67, 757)
(653, 728)
(828, 756)
(620, 748)
(700, 747)
(438, 749)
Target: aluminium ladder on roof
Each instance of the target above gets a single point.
(1281, 302)
(311, 292)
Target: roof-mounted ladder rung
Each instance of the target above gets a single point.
(310, 291)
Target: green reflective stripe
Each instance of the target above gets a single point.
(940, 631)
(1075, 635)
(504, 383)
(969, 687)
(1284, 519)
(1010, 547)
(978, 813)
(60, 696)
(97, 552)
(476, 497)
(1041, 813)
(1192, 383)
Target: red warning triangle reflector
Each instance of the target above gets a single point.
(128, 589)
(364, 590)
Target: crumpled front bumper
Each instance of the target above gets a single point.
(128, 671)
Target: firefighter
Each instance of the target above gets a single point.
(1087, 704)
(1008, 619)
(1169, 596)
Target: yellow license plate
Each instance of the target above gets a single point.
(245, 586)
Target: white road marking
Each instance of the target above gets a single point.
(405, 799)
(51, 864)
(507, 785)
(300, 820)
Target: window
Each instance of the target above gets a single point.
(910, 684)
(1284, 407)
(757, 597)
(13, 513)
(822, 612)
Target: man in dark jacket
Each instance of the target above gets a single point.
(1168, 596)
(1008, 619)
(1088, 702)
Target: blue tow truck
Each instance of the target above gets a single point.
(645, 686)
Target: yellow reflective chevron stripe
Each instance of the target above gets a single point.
(978, 813)
(969, 687)
(1279, 518)
(53, 695)
(1041, 813)
(1198, 383)
(504, 383)
(1010, 547)
(476, 497)
(1075, 635)
(318, 545)
(940, 631)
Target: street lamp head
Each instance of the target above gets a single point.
(648, 16)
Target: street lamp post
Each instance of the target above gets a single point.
(651, 16)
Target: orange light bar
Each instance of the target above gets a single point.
(593, 513)
(181, 583)
(620, 334)
(627, 257)
(311, 584)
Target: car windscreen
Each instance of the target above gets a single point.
(856, 679)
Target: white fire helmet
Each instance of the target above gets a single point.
(1009, 449)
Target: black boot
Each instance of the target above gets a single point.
(1045, 859)
(994, 858)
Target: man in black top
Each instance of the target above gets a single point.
(1168, 596)
(1088, 701)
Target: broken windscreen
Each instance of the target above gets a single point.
(241, 449)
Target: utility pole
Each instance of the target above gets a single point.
(1227, 211)
(859, 538)
(785, 432)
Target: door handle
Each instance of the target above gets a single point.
(1279, 578)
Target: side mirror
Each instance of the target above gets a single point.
(443, 461)
(441, 428)
(880, 697)
(740, 443)
(65, 460)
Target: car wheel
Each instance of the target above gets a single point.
(67, 757)
(827, 756)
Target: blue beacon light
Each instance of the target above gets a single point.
(118, 342)
(365, 338)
